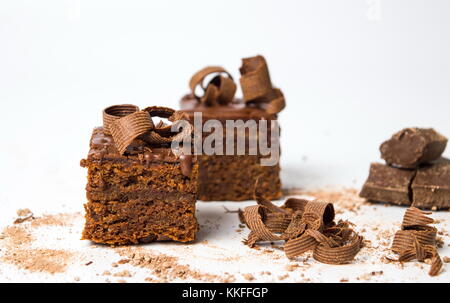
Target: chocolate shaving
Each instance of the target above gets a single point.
(128, 128)
(220, 90)
(115, 112)
(126, 123)
(303, 225)
(417, 240)
(257, 86)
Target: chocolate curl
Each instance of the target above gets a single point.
(277, 102)
(304, 225)
(114, 113)
(296, 226)
(417, 240)
(277, 222)
(323, 209)
(126, 123)
(164, 134)
(220, 90)
(255, 80)
(414, 216)
(257, 86)
(300, 245)
(261, 200)
(128, 128)
(404, 239)
(296, 204)
(338, 255)
(254, 217)
(436, 262)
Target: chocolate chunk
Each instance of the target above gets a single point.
(431, 186)
(411, 147)
(388, 184)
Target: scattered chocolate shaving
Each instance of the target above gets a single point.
(303, 225)
(417, 240)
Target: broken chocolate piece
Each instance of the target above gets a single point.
(431, 186)
(411, 147)
(388, 184)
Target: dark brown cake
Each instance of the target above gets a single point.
(145, 194)
(231, 177)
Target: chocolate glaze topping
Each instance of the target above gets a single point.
(102, 148)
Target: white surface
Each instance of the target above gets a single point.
(219, 251)
(353, 72)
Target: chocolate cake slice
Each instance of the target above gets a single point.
(144, 194)
(231, 177)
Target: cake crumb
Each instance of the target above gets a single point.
(283, 277)
(124, 274)
(248, 277)
(24, 215)
(291, 267)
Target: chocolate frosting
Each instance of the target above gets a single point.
(102, 149)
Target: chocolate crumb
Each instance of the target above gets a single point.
(248, 277)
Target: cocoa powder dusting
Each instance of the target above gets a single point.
(39, 260)
(166, 268)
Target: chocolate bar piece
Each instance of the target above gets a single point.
(412, 147)
(388, 184)
(431, 186)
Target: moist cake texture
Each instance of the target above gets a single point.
(147, 194)
(232, 176)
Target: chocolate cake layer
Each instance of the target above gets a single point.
(232, 177)
(145, 195)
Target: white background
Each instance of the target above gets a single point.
(353, 72)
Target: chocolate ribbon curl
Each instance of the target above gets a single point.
(257, 86)
(220, 90)
(417, 240)
(127, 123)
(303, 225)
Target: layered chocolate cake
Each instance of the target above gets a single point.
(232, 176)
(138, 189)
